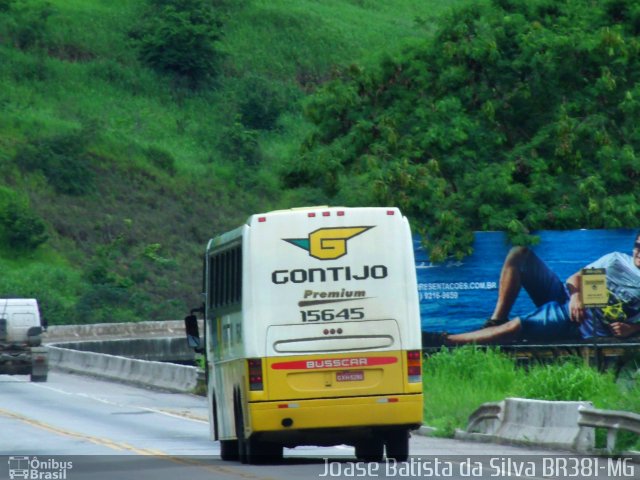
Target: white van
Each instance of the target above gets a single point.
(20, 339)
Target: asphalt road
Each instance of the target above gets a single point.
(81, 428)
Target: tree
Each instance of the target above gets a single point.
(181, 37)
(517, 116)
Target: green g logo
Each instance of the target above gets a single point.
(327, 243)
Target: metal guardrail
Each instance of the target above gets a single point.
(612, 420)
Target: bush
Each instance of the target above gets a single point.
(20, 228)
(181, 37)
(260, 103)
(23, 230)
(239, 143)
(26, 22)
(161, 159)
(62, 159)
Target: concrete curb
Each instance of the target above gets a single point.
(179, 378)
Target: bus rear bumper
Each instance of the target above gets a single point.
(347, 412)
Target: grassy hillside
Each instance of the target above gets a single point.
(114, 175)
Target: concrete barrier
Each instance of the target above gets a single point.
(157, 349)
(102, 331)
(180, 378)
(532, 422)
(125, 352)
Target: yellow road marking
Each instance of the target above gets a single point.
(120, 446)
(68, 433)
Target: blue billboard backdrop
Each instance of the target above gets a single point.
(460, 296)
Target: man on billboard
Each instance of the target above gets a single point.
(560, 314)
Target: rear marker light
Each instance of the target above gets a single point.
(390, 212)
(255, 374)
(262, 219)
(311, 214)
(414, 366)
(326, 214)
(387, 400)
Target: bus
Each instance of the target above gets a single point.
(312, 334)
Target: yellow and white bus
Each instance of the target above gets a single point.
(312, 333)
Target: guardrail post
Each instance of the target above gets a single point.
(612, 434)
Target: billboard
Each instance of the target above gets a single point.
(458, 299)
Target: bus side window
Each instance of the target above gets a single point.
(225, 278)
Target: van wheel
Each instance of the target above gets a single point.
(397, 445)
(370, 449)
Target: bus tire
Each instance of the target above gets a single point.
(239, 422)
(250, 450)
(370, 449)
(397, 445)
(229, 450)
(269, 453)
(262, 453)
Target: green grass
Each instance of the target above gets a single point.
(458, 381)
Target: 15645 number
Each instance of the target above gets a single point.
(329, 314)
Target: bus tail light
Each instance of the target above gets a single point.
(414, 366)
(255, 374)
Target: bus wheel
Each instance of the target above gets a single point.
(397, 445)
(253, 451)
(229, 450)
(262, 453)
(370, 449)
(242, 442)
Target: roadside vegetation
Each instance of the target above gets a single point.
(133, 131)
(459, 380)
(515, 116)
